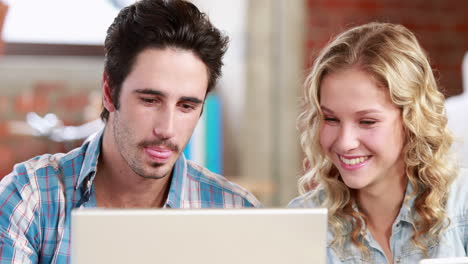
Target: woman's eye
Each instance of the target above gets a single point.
(368, 122)
(330, 120)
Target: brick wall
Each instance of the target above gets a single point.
(67, 87)
(440, 25)
(42, 98)
(3, 11)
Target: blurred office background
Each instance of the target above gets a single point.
(52, 61)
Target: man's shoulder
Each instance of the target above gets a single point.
(50, 163)
(41, 172)
(37, 195)
(198, 173)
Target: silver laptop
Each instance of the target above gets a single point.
(175, 236)
(460, 260)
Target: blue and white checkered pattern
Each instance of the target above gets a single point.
(36, 200)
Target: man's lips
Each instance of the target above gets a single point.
(159, 154)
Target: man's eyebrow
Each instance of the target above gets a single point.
(191, 99)
(150, 92)
(159, 93)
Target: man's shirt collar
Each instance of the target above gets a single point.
(175, 189)
(91, 157)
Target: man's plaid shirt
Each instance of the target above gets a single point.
(36, 200)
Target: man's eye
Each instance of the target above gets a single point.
(148, 100)
(188, 106)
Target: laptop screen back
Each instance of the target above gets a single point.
(247, 236)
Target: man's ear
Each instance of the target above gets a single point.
(106, 94)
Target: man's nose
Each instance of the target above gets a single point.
(164, 124)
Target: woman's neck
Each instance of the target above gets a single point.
(381, 207)
(382, 203)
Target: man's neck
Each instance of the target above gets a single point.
(114, 192)
(118, 186)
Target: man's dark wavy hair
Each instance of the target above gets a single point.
(160, 24)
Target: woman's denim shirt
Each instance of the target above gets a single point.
(453, 242)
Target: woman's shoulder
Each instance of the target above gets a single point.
(462, 177)
(311, 199)
(457, 203)
(459, 186)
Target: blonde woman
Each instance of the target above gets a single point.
(374, 133)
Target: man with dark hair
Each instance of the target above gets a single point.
(162, 58)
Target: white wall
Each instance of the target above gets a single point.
(230, 17)
(457, 109)
(58, 21)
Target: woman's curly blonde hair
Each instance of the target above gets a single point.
(392, 55)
